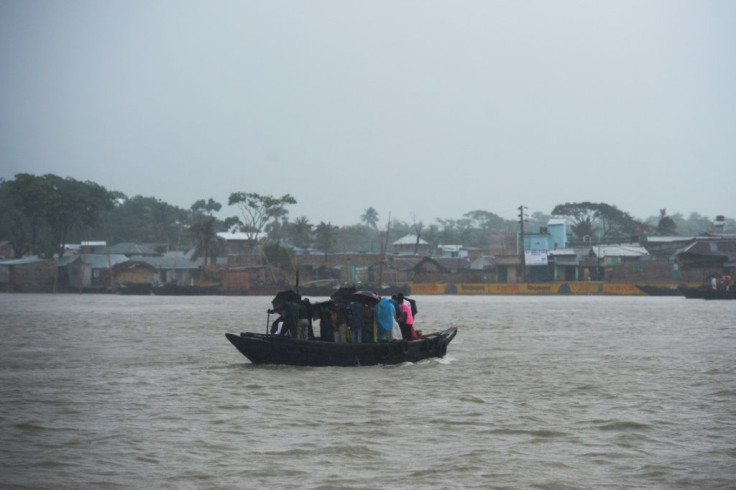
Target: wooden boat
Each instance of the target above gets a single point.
(273, 349)
(659, 290)
(169, 289)
(135, 288)
(693, 292)
(720, 294)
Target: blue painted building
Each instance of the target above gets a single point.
(537, 246)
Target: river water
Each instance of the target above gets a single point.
(547, 392)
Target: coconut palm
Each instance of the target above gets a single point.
(370, 217)
(300, 232)
(206, 239)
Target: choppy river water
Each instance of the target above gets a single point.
(548, 392)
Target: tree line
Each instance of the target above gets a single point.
(39, 214)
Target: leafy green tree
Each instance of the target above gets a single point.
(486, 221)
(481, 225)
(45, 210)
(278, 255)
(398, 229)
(359, 238)
(370, 217)
(666, 225)
(537, 220)
(71, 203)
(583, 228)
(202, 207)
(455, 231)
(147, 219)
(695, 224)
(582, 215)
(730, 225)
(447, 231)
(277, 229)
(256, 211)
(22, 212)
(590, 218)
(617, 223)
(161, 220)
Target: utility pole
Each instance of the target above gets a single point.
(523, 255)
(384, 246)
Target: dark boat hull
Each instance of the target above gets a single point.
(719, 294)
(704, 292)
(183, 290)
(137, 289)
(270, 349)
(692, 293)
(660, 290)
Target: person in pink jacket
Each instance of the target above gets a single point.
(406, 319)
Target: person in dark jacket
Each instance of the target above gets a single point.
(327, 321)
(357, 321)
(304, 323)
(290, 313)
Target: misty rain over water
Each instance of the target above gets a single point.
(571, 392)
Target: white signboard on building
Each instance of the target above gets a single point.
(535, 257)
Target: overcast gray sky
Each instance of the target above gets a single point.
(422, 109)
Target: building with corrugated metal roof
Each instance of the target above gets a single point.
(410, 245)
(27, 275)
(89, 272)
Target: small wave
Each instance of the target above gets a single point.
(622, 425)
(287, 453)
(604, 457)
(252, 387)
(31, 427)
(723, 393)
(472, 399)
(50, 463)
(538, 433)
(148, 459)
(233, 406)
(458, 423)
(654, 471)
(351, 450)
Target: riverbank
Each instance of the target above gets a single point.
(589, 288)
(550, 288)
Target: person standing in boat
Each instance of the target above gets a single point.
(327, 321)
(385, 315)
(341, 332)
(357, 321)
(369, 325)
(406, 319)
(277, 324)
(290, 313)
(304, 324)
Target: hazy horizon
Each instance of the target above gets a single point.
(422, 110)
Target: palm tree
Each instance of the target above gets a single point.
(205, 237)
(300, 232)
(370, 217)
(326, 236)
